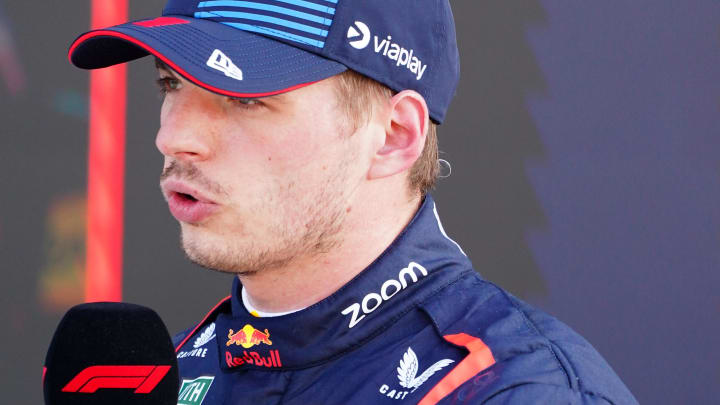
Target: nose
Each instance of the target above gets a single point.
(186, 130)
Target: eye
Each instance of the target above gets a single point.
(167, 84)
(248, 103)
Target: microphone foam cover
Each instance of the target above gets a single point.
(111, 353)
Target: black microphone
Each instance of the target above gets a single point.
(111, 353)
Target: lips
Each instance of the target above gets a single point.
(186, 203)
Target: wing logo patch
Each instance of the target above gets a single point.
(205, 337)
(409, 366)
(407, 374)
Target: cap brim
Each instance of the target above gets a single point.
(250, 65)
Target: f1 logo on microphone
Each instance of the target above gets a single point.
(143, 379)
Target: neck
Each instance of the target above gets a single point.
(370, 227)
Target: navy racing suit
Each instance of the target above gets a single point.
(417, 326)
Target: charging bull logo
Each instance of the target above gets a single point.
(248, 337)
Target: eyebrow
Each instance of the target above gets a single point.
(159, 64)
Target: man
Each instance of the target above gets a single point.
(299, 144)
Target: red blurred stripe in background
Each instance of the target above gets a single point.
(106, 167)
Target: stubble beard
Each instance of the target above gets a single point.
(305, 227)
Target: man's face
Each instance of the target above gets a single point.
(257, 183)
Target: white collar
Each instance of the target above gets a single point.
(261, 314)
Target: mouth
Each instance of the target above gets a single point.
(185, 197)
(186, 203)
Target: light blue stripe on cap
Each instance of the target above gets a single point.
(263, 18)
(266, 7)
(276, 33)
(312, 6)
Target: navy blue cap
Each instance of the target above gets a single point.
(258, 48)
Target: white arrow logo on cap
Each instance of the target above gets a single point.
(353, 33)
(220, 61)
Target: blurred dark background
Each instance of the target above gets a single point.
(585, 149)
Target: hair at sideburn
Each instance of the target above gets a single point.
(357, 94)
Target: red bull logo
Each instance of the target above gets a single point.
(248, 337)
(271, 361)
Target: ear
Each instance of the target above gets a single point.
(405, 133)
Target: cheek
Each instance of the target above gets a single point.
(261, 161)
(298, 147)
(311, 133)
(277, 147)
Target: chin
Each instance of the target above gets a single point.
(216, 252)
(200, 246)
(208, 257)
